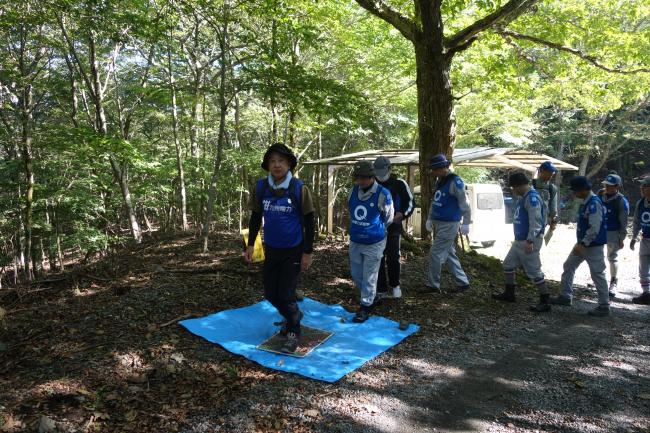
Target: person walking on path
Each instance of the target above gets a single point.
(448, 207)
(371, 212)
(403, 205)
(285, 206)
(642, 224)
(591, 240)
(528, 223)
(547, 190)
(618, 210)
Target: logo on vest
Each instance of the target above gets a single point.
(645, 217)
(360, 213)
(436, 198)
(268, 207)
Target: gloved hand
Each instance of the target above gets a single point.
(632, 243)
(464, 229)
(429, 225)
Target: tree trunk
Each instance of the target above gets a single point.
(120, 176)
(436, 120)
(223, 109)
(177, 143)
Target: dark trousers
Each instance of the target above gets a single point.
(280, 278)
(390, 259)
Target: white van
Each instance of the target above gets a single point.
(488, 214)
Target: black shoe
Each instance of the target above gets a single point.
(430, 289)
(291, 344)
(362, 315)
(544, 305)
(284, 329)
(644, 299)
(508, 294)
(463, 289)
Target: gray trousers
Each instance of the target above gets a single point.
(613, 247)
(530, 262)
(364, 267)
(443, 251)
(644, 264)
(595, 257)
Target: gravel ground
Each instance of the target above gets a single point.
(555, 253)
(476, 366)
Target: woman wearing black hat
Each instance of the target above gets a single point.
(286, 205)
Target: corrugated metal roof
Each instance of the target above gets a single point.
(494, 157)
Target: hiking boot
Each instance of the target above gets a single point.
(362, 315)
(599, 311)
(613, 285)
(463, 289)
(561, 300)
(291, 344)
(284, 329)
(644, 299)
(544, 305)
(394, 293)
(508, 294)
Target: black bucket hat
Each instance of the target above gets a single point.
(282, 150)
(364, 169)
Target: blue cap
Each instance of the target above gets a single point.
(548, 166)
(579, 183)
(613, 179)
(438, 161)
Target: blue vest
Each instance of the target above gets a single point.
(644, 218)
(520, 218)
(444, 206)
(611, 208)
(366, 224)
(282, 219)
(592, 206)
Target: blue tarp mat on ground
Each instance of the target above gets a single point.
(240, 331)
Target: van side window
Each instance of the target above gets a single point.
(489, 200)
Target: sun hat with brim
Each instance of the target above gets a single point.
(612, 179)
(282, 150)
(382, 166)
(518, 179)
(548, 166)
(438, 161)
(579, 183)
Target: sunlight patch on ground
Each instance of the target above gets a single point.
(431, 369)
(562, 358)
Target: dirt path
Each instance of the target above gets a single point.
(98, 350)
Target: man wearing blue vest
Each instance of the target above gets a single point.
(642, 224)
(592, 237)
(286, 206)
(448, 207)
(528, 223)
(618, 210)
(547, 190)
(403, 205)
(371, 212)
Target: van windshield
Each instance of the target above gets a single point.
(489, 201)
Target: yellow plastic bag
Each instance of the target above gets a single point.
(258, 251)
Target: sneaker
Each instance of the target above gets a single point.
(382, 295)
(644, 299)
(599, 311)
(394, 293)
(561, 300)
(362, 315)
(291, 344)
(612, 289)
(462, 289)
(430, 289)
(283, 324)
(540, 308)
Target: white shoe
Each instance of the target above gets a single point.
(395, 293)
